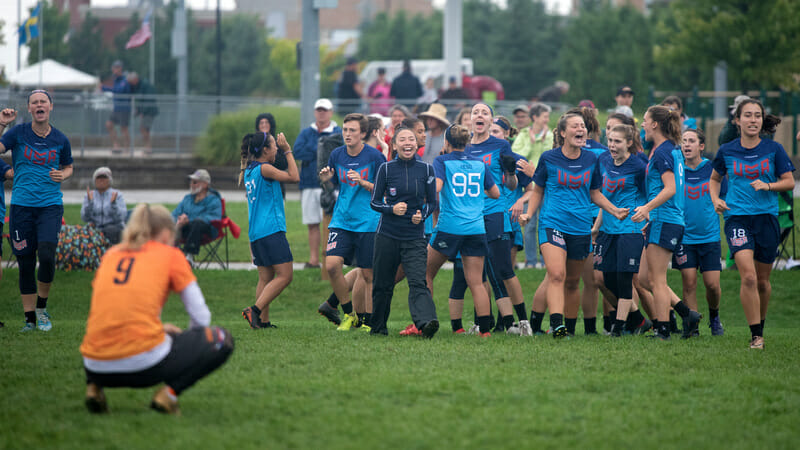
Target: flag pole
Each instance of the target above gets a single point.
(40, 23)
(152, 46)
(19, 22)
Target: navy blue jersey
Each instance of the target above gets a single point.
(702, 222)
(624, 186)
(265, 212)
(567, 183)
(3, 169)
(462, 196)
(666, 158)
(598, 149)
(490, 151)
(352, 211)
(767, 161)
(412, 182)
(33, 157)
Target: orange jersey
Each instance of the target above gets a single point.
(128, 292)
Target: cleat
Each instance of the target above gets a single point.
(716, 327)
(430, 328)
(643, 327)
(268, 325)
(658, 335)
(365, 328)
(484, 335)
(525, 328)
(474, 329)
(350, 321)
(164, 402)
(411, 330)
(616, 331)
(43, 320)
(28, 327)
(560, 332)
(757, 343)
(690, 325)
(96, 399)
(459, 331)
(514, 329)
(252, 318)
(329, 312)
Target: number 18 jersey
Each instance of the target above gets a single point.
(461, 198)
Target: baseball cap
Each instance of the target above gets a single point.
(523, 108)
(201, 175)
(739, 99)
(625, 90)
(102, 172)
(323, 103)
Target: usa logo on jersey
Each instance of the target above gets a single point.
(751, 171)
(574, 181)
(695, 192)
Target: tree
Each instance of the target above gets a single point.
(283, 58)
(758, 40)
(87, 52)
(399, 37)
(54, 28)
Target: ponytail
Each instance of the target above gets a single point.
(252, 146)
(669, 122)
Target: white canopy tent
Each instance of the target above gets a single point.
(54, 75)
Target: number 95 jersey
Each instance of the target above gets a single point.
(461, 198)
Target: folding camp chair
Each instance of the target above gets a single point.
(786, 224)
(211, 247)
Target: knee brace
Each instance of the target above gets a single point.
(27, 273)
(47, 261)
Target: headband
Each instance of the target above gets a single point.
(448, 136)
(491, 111)
(40, 91)
(501, 124)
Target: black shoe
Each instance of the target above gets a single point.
(430, 328)
(616, 331)
(329, 312)
(560, 332)
(252, 318)
(268, 325)
(690, 325)
(658, 335)
(643, 328)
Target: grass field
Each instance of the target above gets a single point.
(305, 385)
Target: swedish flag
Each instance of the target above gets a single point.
(30, 29)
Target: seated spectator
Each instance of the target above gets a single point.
(104, 207)
(194, 214)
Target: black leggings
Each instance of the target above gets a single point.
(27, 267)
(619, 283)
(195, 353)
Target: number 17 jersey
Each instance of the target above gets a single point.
(461, 197)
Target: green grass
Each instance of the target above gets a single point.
(305, 385)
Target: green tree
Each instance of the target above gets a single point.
(401, 37)
(758, 40)
(54, 27)
(86, 51)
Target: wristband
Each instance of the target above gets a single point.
(769, 186)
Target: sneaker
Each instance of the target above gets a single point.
(268, 325)
(658, 335)
(616, 331)
(165, 402)
(559, 332)
(43, 320)
(525, 328)
(329, 312)
(474, 329)
(459, 331)
(514, 329)
(252, 318)
(757, 343)
(716, 327)
(95, 399)
(28, 327)
(350, 320)
(690, 325)
(484, 335)
(411, 330)
(365, 328)
(430, 328)
(643, 327)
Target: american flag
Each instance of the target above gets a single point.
(142, 34)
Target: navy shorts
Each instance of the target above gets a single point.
(618, 252)
(577, 246)
(271, 250)
(664, 235)
(704, 256)
(30, 225)
(517, 240)
(356, 248)
(499, 261)
(495, 226)
(450, 244)
(760, 233)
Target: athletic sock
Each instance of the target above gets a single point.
(712, 313)
(456, 324)
(607, 323)
(571, 323)
(619, 324)
(556, 320)
(635, 318)
(30, 316)
(664, 330)
(536, 320)
(681, 309)
(361, 318)
(508, 321)
(367, 318)
(522, 313)
(333, 300)
(762, 327)
(673, 323)
(756, 330)
(485, 323)
(41, 302)
(347, 308)
(590, 325)
(256, 310)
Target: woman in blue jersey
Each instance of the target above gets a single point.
(42, 160)
(461, 181)
(567, 182)
(619, 243)
(664, 210)
(700, 248)
(757, 170)
(267, 230)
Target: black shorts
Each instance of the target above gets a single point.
(451, 244)
(618, 252)
(29, 225)
(271, 250)
(355, 248)
(705, 256)
(760, 233)
(121, 118)
(577, 246)
(665, 235)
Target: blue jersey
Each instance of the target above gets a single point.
(623, 186)
(461, 199)
(511, 196)
(352, 211)
(33, 157)
(567, 183)
(702, 222)
(598, 149)
(3, 169)
(489, 151)
(666, 158)
(264, 203)
(767, 161)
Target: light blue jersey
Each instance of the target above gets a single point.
(461, 202)
(702, 222)
(623, 186)
(352, 211)
(264, 203)
(490, 151)
(666, 158)
(567, 183)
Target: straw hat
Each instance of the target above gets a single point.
(437, 111)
